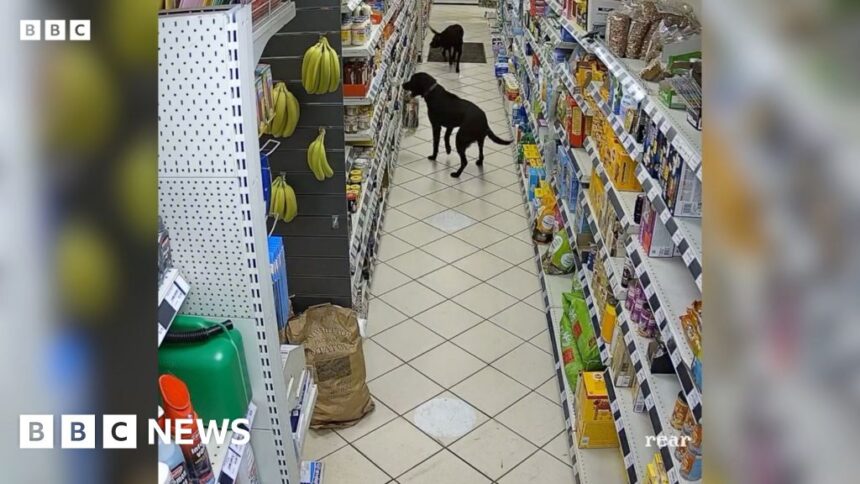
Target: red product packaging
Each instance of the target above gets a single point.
(176, 402)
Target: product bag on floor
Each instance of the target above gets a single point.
(333, 347)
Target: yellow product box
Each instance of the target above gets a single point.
(595, 427)
(531, 151)
(595, 189)
(624, 171)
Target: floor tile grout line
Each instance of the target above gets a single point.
(446, 299)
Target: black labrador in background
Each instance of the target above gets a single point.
(446, 109)
(450, 41)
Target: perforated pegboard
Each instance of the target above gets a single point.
(196, 112)
(210, 198)
(208, 239)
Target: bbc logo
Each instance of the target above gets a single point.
(77, 431)
(79, 30)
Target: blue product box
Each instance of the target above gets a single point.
(565, 35)
(278, 266)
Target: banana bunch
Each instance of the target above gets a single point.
(282, 204)
(321, 68)
(286, 112)
(317, 160)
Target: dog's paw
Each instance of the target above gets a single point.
(432, 157)
(448, 150)
(480, 162)
(456, 174)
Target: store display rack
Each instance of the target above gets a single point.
(400, 53)
(171, 294)
(209, 186)
(667, 283)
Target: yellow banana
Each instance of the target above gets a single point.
(323, 159)
(291, 206)
(325, 68)
(276, 200)
(334, 80)
(280, 101)
(311, 72)
(292, 114)
(313, 160)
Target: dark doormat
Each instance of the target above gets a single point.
(473, 53)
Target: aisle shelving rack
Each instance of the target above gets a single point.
(670, 284)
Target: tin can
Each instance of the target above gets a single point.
(355, 173)
(355, 179)
(356, 188)
(691, 466)
(679, 414)
(351, 202)
(694, 445)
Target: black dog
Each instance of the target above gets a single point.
(446, 109)
(451, 42)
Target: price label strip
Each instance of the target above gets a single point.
(233, 460)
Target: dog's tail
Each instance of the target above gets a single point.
(496, 139)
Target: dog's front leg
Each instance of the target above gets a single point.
(437, 131)
(448, 140)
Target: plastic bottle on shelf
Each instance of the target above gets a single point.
(176, 402)
(170, 455)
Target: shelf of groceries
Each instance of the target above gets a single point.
(373, 150)
(621, 173)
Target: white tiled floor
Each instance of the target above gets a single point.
(458, 356)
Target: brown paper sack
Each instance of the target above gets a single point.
(333, 348)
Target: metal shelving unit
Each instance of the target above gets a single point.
(671, 284)
(210, 198)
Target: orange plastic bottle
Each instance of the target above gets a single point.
(176, 402)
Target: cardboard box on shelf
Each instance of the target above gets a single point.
(653, 235)
(622, 366)
(595, 426)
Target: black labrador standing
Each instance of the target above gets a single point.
(448, 110)
(450, 41)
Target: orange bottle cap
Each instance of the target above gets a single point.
(174, 393)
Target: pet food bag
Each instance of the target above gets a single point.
(569, 352)
(333, 348)
(559, 258)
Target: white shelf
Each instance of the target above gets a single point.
(374, 89)
(305, 419)
(366, 49)
(635, 427)
(566, 78)
(634, 149)
(686, 232)
(670, 292)
(595, 466)
(686, 139)
(226, 458)
(270, 25)
(622, 202)
(171, 294)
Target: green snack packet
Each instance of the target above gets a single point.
(569, 353)
(559, 258)
(584, 336)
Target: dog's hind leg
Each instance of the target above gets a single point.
(480, 152)
(437, 131)
(462, 144)
(459, 56)
(448, 140)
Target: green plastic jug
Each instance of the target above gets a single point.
(209, 357)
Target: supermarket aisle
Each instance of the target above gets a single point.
(458, 355)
